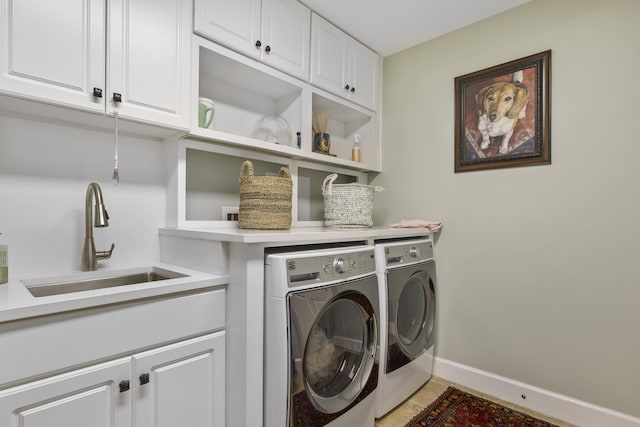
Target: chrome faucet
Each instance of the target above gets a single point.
(89, 255)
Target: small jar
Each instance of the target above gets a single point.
(321, 143)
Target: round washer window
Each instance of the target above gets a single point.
(412, 310)
(338, 355)
(415, 314)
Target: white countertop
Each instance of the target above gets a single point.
(299, 235)
(16, 302)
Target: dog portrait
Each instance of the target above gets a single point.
(500, 105)
(502, 115)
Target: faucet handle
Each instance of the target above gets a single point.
(105, 254)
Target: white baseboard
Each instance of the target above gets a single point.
(546, 402)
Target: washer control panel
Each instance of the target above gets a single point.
(408, 253)
(328, 268)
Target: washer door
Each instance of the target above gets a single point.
(411, 313)
(338, 359)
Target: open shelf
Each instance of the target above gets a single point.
(204, 185)
(310, 201)
(211, 185)
(345, 122)
(244, 91)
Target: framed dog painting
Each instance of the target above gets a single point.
(502, 115)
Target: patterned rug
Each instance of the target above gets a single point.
(456, 408)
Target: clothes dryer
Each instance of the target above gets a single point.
(407, 283)
(321, 338)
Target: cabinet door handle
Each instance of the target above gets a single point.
(353, 89)
(124, 386)
(347, 87)
(97, 92)
(267, 49)
(144, 379)
(258, 43)
(117, 97)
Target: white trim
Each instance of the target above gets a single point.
(540, 400)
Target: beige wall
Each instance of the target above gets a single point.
(538, 266)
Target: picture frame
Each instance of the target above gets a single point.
(502, 115)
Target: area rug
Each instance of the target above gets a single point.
(456, 408)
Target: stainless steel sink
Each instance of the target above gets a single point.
(48, 287)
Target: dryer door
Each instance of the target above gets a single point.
(334, 360)
(411, 313)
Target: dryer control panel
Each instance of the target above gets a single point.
(329, 268)
(408, 253)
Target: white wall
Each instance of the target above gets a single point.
(44, 173)
(537, 266)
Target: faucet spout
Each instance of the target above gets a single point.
(89, 255)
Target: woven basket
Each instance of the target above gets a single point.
(348, 205)
(265, 201)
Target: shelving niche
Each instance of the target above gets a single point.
(308, 197)
(346, 121)
(204, 184)
(205, 165)
(244, 91)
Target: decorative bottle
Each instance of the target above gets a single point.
(355, 151)
(4, 263)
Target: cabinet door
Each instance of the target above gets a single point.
(181, 384)
(286, 25)
(88, 397)
(233, 23)
(363, 78)
(329, 60)
(149, 60)
(53, 51)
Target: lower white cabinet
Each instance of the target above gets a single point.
(181, 384)
(87, 397)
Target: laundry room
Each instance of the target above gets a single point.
(137, 288)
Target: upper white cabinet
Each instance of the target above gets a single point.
(54, 51)
(149, 60)
(63, 53)
(275, 32)
(342, 65)
(234, 23)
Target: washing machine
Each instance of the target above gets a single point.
(321, 338)
(407, 282)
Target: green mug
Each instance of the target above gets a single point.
(206, 110)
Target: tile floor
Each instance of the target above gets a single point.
(430, 392)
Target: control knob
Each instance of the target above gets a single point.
(340, 265)
(414, 252)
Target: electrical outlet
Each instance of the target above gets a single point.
(230, 213)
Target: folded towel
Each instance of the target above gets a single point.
(418, 223)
